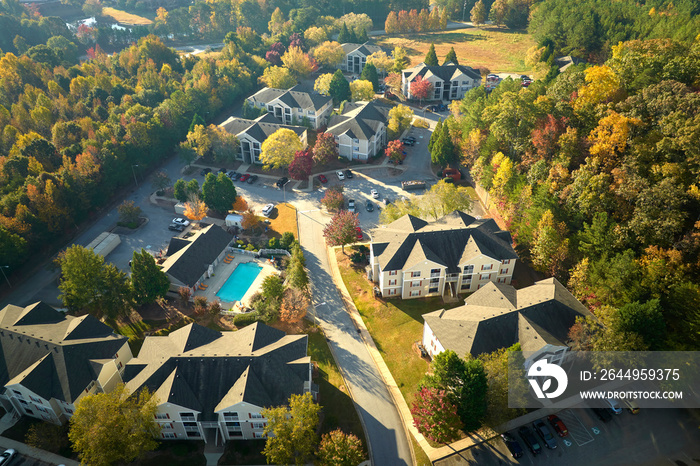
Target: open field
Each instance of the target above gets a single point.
(122, 17)
(283, 219)
(498, 50)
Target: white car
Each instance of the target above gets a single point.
(267, 210)
(340, 175)
(7, 456)
(181, 221)
(351, 205)
(374, 194)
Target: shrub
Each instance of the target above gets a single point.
(357, 257)
(185, 293)
(200, 304)
(242, 320)
(215, 308)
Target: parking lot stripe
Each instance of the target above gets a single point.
(578, 431)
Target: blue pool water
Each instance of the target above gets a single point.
(238, 283)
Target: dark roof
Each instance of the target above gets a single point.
(445, 72)
(51, 353)
(259, 129)
(296, 97)
(365, 49)
(189, 263)
(258, 364)
(498, 316)
(450, 241)
(359, 120)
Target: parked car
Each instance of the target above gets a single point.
(530, 440)
(631, 406)
(235, 176)
(231, 174)
(516, 451)
(322, 179)
(181, 221)
(252, 179)
(281, 182)
(358, 230)
(374, 193)
(340, 175)
(409, 141)
(602, 413)
(558, 425)
(545, 434)
(614, 405)
(369, 206)
(267, 210)
(7, 456)
(244, 177)
(176, 227)
(351, 205)
(205, 171)
(222, 170)
(348, 174)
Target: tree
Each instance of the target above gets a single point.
(498, 367)
(291, 432)
(435, 416)
(88, 284)
(391, 25)
(435, 135)
(278, 150)
(185, 293)
(114, 427)
(129, 213)
(278, 77)
(195, 208)
(339, 88)
(147, 279)
(333, 199)
(193, 188)
(381, 61)
(444, 198)
(451, 57)
(342, 229)
(295, 304)
(340, 449)
(214, 308)
(200, 304)
(329, 54)
(400, 118)
(325, 151)
(421, 88)
(218, 192)
(401, 60)
(551, 245)
(272, 287)
(298, 63)
(300, 168)
(249, 221)
(322, 84)
(49, 437)
(369, 73)
(296, 272)
(394, 150)
(344, 36)
(361, 90)
(646, 320)
(443, 151)
(160, 181)
(431, 57)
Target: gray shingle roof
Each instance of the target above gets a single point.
(498, 316)
(296, 97)
(365, 49)
(215, 370)
(359, 120)
(189, 263)
(445, 72)
(51, 353)
(259, 129)
(450, 241)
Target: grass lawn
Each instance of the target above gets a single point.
(244, 452)
(283, 219)
(499, 50)
(123, 17)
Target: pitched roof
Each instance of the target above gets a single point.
(446, 72)
(296, 97)
(451, 241)
(359, 120)
(257, 364)
(51, 353)
(259, 129)
(498, 316)
(365, 49)
(190, 262)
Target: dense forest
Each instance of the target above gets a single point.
(597, 176)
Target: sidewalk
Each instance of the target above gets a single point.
(36, 453)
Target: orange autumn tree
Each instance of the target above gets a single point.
(295, 304)
(195, 208)
(240, 205)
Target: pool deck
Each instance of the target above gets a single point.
(223, 270)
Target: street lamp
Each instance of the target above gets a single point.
(134, 172)
(2, 267)
(314, 310)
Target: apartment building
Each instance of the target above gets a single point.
(293, 106)
(450, 81)
(361, 130)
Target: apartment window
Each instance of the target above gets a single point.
(393, 272)
(69, 411)
(162, 416)
(487, 267)
(433, 290)
(192, 433)
(168, 435)
(167, 425)
(392, 282)
(187, 416)
(288, 111)
(189, 424)
(270, 108)
(501, 280)
(415, 274)
(309, 112)
(466, 278)
(415, 293)
(415, 284)
(468, 269)
(485, 276)
(231, 414)
(258, 435)
(434, 281)
(434, 271)
(505, 262)
(438, 84)
(235, 433)
(465, 286)
(258, 425)
(393, 292)
(504, 271)
(233, 425)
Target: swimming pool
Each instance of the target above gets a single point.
(238, 282)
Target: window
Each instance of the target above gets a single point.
(393, 272)
(22, 401)
(167, 425)
(189, 424)
(192, 433)
(69, 411)
(504, 271)
(466, 278)
(258, 425)
(434, 272)
(234, 425)
(501, 280)
(235, 433)
(231, 415)
(162, 416)
(505, 262)
(485, 276)
(415, 284)
(18, 393)
(433, 290)
(392, 282)
(270, 108)
(393, 291)
(256, 416)
(187, 416)
(415, 274)
(487, 267)
(415, 293)
(466, 286)
(438, 84)
(309, 112)
(168, 435)
(434, 281)
(468, 269)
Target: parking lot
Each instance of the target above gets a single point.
(21, 460)
(654, 436)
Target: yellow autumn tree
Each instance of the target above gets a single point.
(298, 62)
(195, 208)
(602, 85)
(609, 139)
(278, 150)
(504, 173)
(329, 54)
(361, 90)
(323, 83)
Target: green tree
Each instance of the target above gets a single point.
(344, 36)
(296, 272)
(361, 90)
(478, 14)
(497, 367)
(147, 279)
(646, 320)
(272, 287)
(435, 135)
(129, 213)
(340, 449)
(444, 151)
(369, 73)
(88, 284)
(218, 192)
(114, 427)
(291, 431)
(444, 198)
(278, 77)
(278, 150)
(180, 190)
(551, 245)
(431, 57)
(192, 188)
(339, 88)
(329, 54)
(401, 59)
(451, 57)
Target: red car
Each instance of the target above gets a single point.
(322, 179)
(558, 425)
(244, 178)
(359, 232)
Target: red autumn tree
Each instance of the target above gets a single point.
(325, 150)
(421, 88)
(342, 229)
(546, 135)
(300, 168)
(394, 150)
(333, 199)
(434, 416)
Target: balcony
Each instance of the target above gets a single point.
(452, 277)
(435, 275)
(195, 428)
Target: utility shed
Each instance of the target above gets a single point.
(234, 220)
(105, 243)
